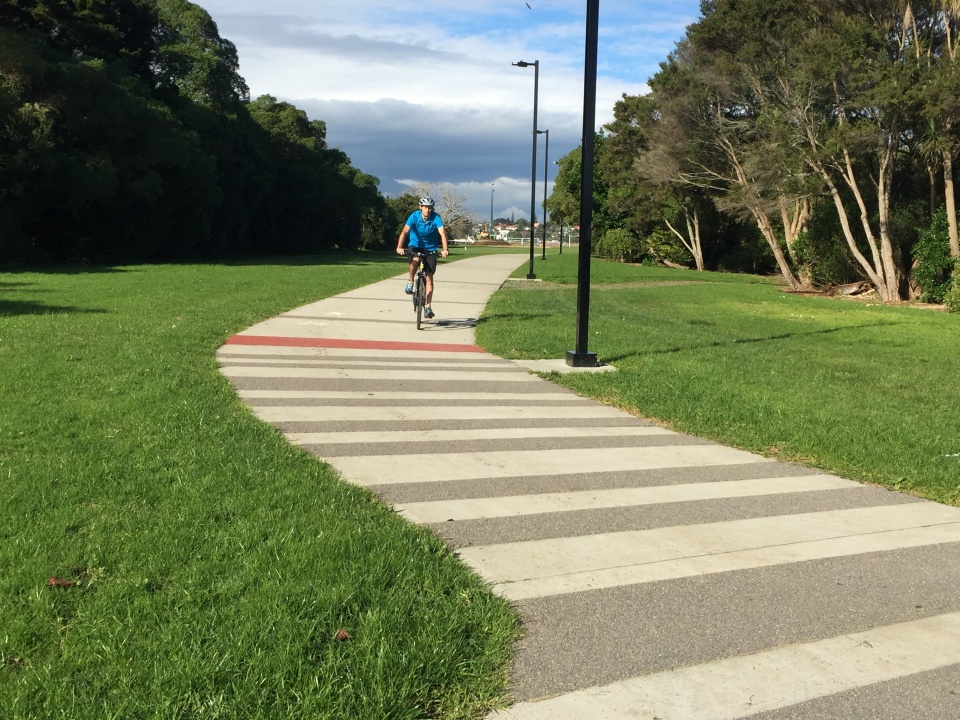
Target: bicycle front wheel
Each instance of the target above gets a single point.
(418, 299)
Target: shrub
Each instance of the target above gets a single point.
(933, 264)
(951, 298)
(821, 252)
(619, 244)
(664, 245)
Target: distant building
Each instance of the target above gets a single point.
(501, 231)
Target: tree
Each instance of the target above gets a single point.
(691, 239)
(807, 98)
(564, 201)
(633, 201)
(935, 51)
(711, 131)
(851, 109)
(640, 164)
(453, 211)
(310, 204)
(98, 168)
(122, 31)
(126, 135)
(400, 208)
(27, 138)
(450, 205)
(194, 60)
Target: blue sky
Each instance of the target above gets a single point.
(431, 96)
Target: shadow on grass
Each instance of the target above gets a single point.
(12, 308)
(346, 257)
(60, 270)
(514, 316)
(337, 257)
(746, 341)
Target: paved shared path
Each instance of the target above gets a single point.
(658, 575)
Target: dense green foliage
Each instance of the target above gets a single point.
(619, 244)
(214, 563)
(933, 262)
(951, 298)
(827, 130)
(126, 133)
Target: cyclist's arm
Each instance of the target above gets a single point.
(402, 239)
(443, 237)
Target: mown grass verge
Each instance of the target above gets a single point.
(868, 391)
(167, 555)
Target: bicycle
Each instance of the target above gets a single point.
(419, 283)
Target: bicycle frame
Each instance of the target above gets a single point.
(420, 284)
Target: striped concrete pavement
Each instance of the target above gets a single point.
(658, 575)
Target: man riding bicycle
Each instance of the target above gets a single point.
(424, 229)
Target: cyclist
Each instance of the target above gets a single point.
(424, 228)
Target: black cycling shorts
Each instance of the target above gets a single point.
(429, 259)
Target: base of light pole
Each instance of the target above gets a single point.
(531, 276)
(581, 359)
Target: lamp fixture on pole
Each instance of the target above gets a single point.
(533, 172)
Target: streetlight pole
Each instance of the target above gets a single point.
(581, 357)
(557, 163)
(546, 155)
(490, 229)
(533, 171)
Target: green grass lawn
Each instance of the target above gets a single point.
(870, 392)
(214, 563)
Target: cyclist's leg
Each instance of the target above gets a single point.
(414, 264)
(429, 269)
(411, 269)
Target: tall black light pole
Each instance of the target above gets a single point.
(546, 154)
(557, 163)
(533, 172)
(581, 357)
(490, 229)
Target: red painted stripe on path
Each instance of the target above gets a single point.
(354, 344)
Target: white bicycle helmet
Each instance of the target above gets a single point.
(426, 201)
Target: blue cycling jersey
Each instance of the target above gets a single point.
(424, 234)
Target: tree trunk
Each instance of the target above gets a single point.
(766, 227)
(793, 227)
(932, 174)
(763, 220)
(884, 187)
(950, 203)
(882, 270)
(871, 271)
(692, 240)
(693, 227)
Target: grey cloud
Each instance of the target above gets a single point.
(395, 141)
(296, 32)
